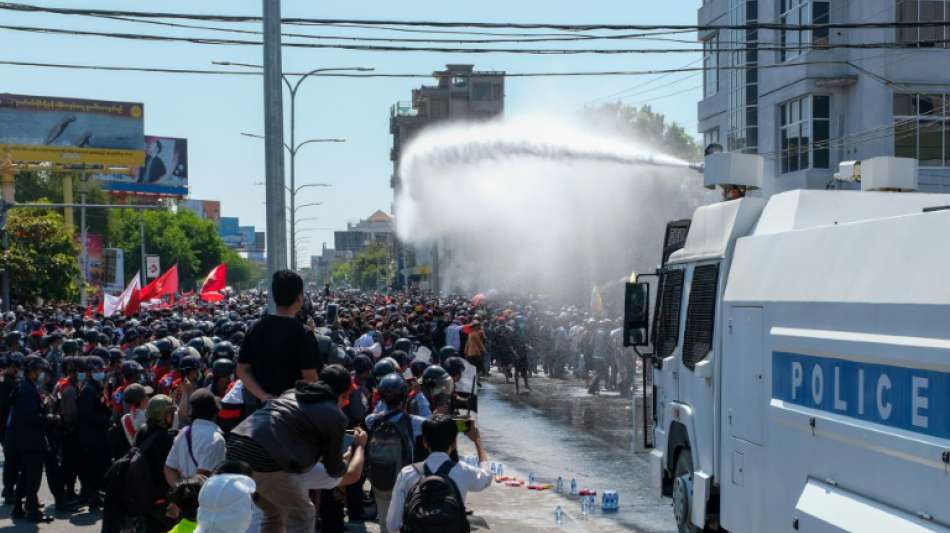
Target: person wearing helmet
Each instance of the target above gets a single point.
(93, 421)
(222, 377)
(155, 442)
(223, 350)
(392, 440)
(416, 368)
(25, 439)
(444, 353)
(65, 399)
(190, 370)
(403, 344)
(9, 366)
(436, 391)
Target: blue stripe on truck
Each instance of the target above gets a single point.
(907, 398)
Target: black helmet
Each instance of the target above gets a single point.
(454, 366)
(34, 362)
(101, 353)
(401, 358)
(91, 335)
(223, 368)
(189, 363)
(393, 389)
(403, 344)
(202, 344)
(70, 347)
(14, 340)
(131, 370)
(130, 335)
(383, 368)
(223, 350)
(115, 355)
(141, 354)
(417, 368)
(180, 354)
(362, 363)
(164, 346)
(94, 362)
(448, 351)
(435, 380)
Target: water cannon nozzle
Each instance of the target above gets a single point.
(698, 167)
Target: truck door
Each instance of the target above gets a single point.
(696, 379)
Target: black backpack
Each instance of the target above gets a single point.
(389, 449)
(129, 480)
(434, 504)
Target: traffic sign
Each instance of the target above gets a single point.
(153, 266)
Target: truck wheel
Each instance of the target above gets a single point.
(683, 492)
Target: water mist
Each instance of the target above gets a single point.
(535, 205)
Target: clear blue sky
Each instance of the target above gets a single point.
(211, 111)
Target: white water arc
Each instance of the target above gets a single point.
(538, 205)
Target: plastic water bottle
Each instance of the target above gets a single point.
(573, 486)
(558, 515)
(501, 470)
(531, 478)
(560, 485)
(591, 504)
(585, 506)
(494, 469)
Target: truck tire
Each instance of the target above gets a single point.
(683, 492)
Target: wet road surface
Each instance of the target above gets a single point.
(559, 430)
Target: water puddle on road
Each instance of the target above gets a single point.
(530, 440)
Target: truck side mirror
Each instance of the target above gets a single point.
(636, 314)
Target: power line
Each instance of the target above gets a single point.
(428, 75)
(457, 24)
(509, 38)
(528, 51)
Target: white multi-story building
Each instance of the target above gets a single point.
(806, 103)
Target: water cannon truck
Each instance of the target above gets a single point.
(800, 352)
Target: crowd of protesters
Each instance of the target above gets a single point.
(223, 417)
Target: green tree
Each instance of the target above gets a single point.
(242, 274)
(41, 256)
(647, 126)
(372, 268)
(180, 238)
(341, 273)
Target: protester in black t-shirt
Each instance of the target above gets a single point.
(278, 351)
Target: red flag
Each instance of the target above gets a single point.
(134, 304)
(216, 279)
(213, 296)
(164, 285)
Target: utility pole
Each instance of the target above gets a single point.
(274, 143)
(143, 275)
(84, 257)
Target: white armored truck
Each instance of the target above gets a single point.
(801, 355)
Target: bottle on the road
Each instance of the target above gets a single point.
(558, 515)
(573, 486)
(560, 485)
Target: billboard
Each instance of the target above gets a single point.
(71, 131)
(205, 209)
(164, 170)
(247, 236)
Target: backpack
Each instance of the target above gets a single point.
(129, 480)
(389, 449)
(434, 504)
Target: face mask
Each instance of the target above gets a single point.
(81, 376)
(41, 378)
(19, 374)
(98, 376)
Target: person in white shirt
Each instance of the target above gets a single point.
(199, 448)
(439, 434)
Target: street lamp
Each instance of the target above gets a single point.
(293, 147)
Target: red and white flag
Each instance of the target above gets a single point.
(121, 303)
(214, 283)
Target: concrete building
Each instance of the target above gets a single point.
(377, 228)
(322, 265)
(806, 106)
(461, 93)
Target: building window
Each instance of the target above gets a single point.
(804, 131)
(920, 128)
(710, 137)
(742, 134)
(711, 66)
(802, 12)
(923, 11)
(481, 91)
